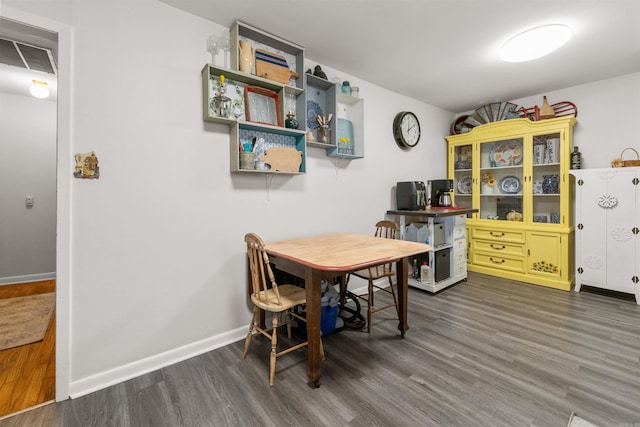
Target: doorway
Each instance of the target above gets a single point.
(28, 189)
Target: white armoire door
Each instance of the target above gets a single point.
(607, 221)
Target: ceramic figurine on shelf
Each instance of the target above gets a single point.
(317, 71)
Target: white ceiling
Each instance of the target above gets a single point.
(445, 52)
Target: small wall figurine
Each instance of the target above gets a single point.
(87, 166)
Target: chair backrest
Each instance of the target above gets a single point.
(260, 270)
(386, 230)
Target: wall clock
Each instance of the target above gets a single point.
(406, 129)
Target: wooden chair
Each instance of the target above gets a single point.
(267, 295)
(386, 230)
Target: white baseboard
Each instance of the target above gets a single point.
(123, 373)
(27, 278)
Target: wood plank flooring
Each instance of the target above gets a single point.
(487, 352)
(27, 373)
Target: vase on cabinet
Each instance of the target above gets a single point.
(245, 57)
(486, 188)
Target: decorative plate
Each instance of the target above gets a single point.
(506, 153)
(464, 185)
(313, 111)
(510, 185)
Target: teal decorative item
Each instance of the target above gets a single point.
(291, 121)
(346, 88)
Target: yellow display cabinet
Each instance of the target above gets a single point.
(516, 173)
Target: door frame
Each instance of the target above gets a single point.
(64, 171)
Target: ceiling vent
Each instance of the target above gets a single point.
(26, 56)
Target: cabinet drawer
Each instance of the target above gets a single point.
(459, 244)
(460, 270)
(498, 248)
(461, 219)
(498, 235)
(459, 257)
(499, 262)
(459, 231)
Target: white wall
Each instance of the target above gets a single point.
(608, 111)
(156, 253)
(27, 167)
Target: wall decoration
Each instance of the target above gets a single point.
(87, 166)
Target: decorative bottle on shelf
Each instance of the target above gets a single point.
(424, 272)
(576, 159)
(546, 111)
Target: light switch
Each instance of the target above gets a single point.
(29, 201)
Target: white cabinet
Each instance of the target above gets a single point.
(607, 229)
(445, 230)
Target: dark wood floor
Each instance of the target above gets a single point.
(27, 372)
(488, 352)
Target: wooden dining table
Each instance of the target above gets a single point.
(329, 256)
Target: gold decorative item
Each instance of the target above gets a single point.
(514, 216)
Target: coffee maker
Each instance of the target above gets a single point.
(440, 192)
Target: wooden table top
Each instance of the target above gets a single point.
(344, 251)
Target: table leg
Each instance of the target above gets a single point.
(312, 285)
(402, 268)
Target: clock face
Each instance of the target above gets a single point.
(406, 129)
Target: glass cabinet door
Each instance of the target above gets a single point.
(462, 175)
(501, 180)
(545, 179)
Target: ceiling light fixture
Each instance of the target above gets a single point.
(39, 89)
(535, 43)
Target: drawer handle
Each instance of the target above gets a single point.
(497, 262)
(498, 247)
(496, 234)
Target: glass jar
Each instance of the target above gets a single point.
(355, 91)
(346, 87)
(324, 134)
